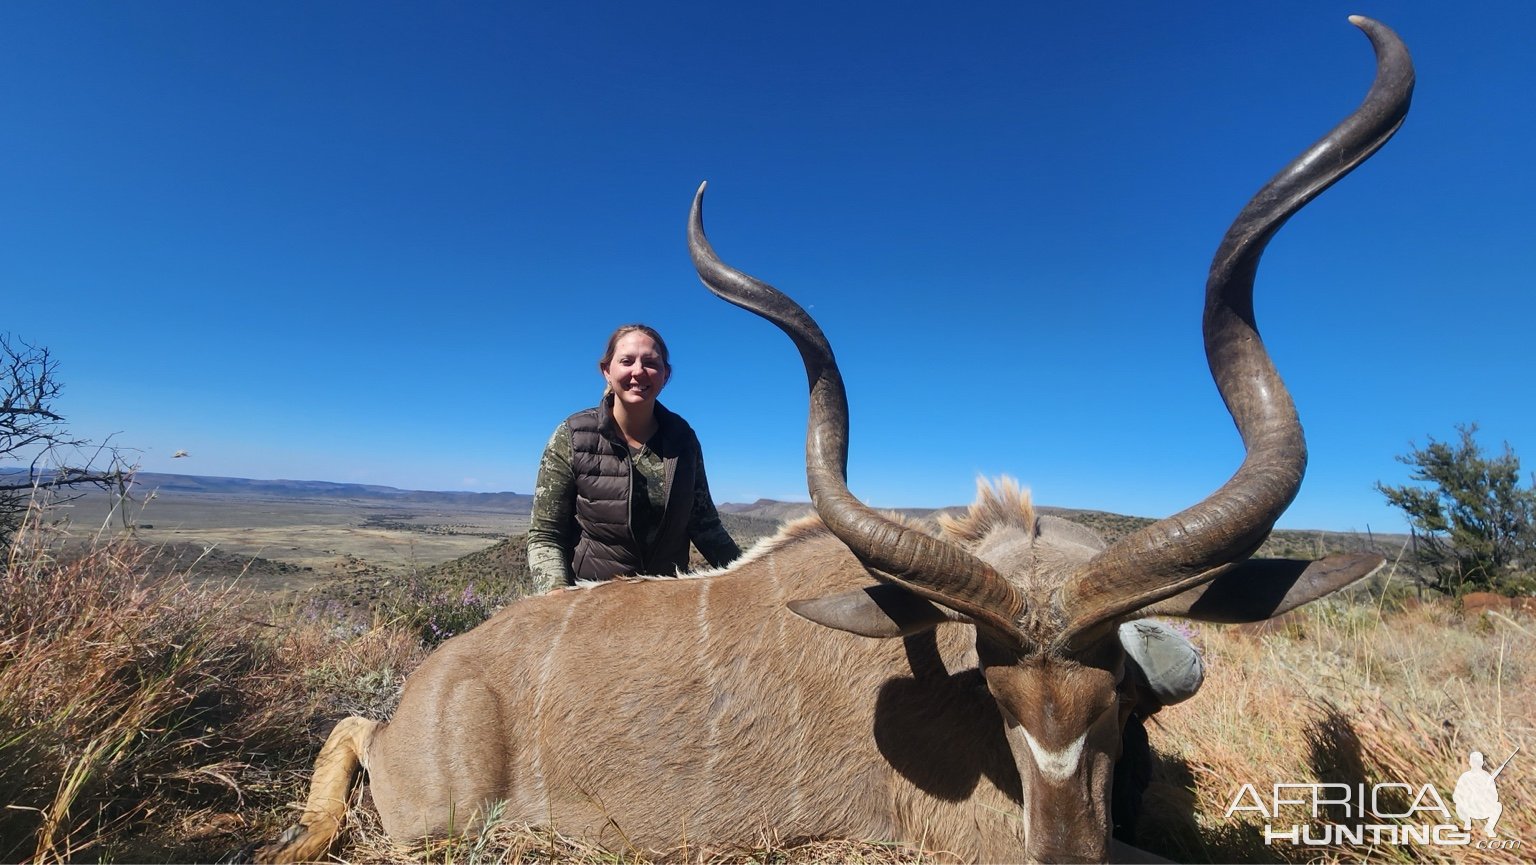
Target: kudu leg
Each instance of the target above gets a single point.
(336, 771)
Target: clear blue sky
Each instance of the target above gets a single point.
(383, 242)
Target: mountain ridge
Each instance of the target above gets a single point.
(284, 488)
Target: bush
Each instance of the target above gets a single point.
(1475, 524)
(437, 609)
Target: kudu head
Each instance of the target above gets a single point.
(1046, 600)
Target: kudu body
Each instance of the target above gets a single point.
(753, 704)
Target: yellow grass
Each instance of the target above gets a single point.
(150, 719)
(1340, 693)
(143, 718)
(1349, 694)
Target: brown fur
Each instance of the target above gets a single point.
(650, 714)
(330, 794)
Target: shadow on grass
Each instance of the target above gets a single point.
(1337, 756)
(1171, 824)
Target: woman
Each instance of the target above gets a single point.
(621, 488)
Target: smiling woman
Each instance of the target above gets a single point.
(621, 488)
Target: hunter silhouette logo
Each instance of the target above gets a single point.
(1476, 796)
(1387, 813)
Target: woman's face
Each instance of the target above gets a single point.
(636, 373)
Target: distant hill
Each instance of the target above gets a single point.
(768, 509)
(504, 565)
(752, 518)
(517, 503)
(745, 521)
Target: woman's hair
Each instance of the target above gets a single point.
(613, 342)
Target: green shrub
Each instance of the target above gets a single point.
(1475, 524)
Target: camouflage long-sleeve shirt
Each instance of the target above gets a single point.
(552, 529)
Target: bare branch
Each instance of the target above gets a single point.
(33, 434)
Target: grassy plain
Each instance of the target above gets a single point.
(284, 545)
(146, 715)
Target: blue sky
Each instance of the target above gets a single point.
(384, 242)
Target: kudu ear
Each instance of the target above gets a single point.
(882, 611)
(1259, 589)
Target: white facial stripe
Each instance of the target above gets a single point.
(1056, 766)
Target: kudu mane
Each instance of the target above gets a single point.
(998, 505)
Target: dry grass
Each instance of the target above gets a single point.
(146, 718)
(121, 700)
(149, 719)
(500, 843)
(1340, 693)
(1348, 694)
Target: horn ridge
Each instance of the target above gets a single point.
(1198, 544)
(927, 566)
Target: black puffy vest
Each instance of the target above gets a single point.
(606, 545)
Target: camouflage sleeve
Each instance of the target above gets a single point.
(551, 526)
(704, 528)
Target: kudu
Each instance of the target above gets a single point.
(750, 704)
